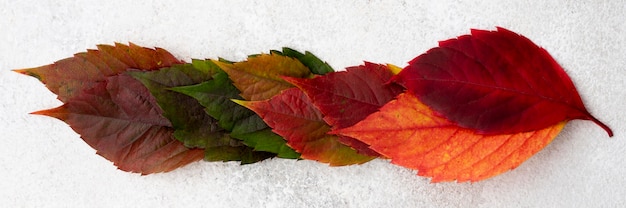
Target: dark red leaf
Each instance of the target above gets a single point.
(121, 120)
(495, 82)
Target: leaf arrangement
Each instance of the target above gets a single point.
(475, 106)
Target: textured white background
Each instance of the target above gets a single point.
(43, 163)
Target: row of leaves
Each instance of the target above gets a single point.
(470, 109)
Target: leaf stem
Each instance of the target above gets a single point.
(604, 126)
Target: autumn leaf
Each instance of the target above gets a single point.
(308, 59)
(496, 82)
(121, 120)
(193, 126)
(292, 116)
(215, 96)
(414, 136)
(347, 97)
(259, 78)
(69, 77)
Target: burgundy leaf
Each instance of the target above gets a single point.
(495, 82)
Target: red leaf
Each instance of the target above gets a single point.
(70, 76)
(291, 115)
(496, 82)
(347, 97)
(121, 120)
(413, 136)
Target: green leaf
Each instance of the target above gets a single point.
(215, 95)
(205, 66)
(193, 126)
(268, 141)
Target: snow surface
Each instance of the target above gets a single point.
(43, 163)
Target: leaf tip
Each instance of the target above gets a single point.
(60, 112)
(21, 71)
(243, 103)
(27, 72)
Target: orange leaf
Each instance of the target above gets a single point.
(413, 136)
(259, 78)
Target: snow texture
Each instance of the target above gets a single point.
(43, 163)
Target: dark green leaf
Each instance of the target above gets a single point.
(215, 95)
(192, 125)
